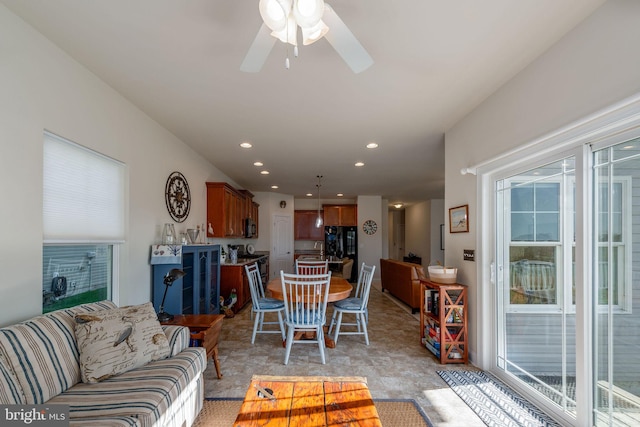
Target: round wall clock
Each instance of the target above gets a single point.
(177, 196)
(370, 226)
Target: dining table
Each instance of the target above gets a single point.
(339, 289)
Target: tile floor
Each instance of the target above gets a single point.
(395, 364)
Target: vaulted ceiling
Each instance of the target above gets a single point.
(434, 61)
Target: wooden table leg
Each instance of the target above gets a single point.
(216, 362)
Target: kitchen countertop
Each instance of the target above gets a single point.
(241, 261)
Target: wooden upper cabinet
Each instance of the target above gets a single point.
(227, 209)
(340, 214)
(305, 225)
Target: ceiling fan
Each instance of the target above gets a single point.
(316, 20)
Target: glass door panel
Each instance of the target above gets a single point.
(535, 246)
(616, 279)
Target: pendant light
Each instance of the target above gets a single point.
(319, 218)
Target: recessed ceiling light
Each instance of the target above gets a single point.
(372, 145)
(339, 194)
(398, 205)
(359, 164)
(264, 172)
(258, 164)
(309, 194)
(246, 145)
(275, 187)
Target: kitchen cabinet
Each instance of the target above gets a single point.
(305, 225)
(234, 276)
(251, 210)
(443, 321)
(198, 292)
(346, 215)
(228, 208)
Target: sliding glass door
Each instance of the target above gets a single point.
(535, 248)
(541, 306)
(616, 283)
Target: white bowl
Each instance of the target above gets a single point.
(439, 274)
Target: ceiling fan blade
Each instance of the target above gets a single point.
(259, 51)
(345, 43)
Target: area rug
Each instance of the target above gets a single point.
(495, 403)
(219, 412)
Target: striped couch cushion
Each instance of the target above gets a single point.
(178, 337)
(145, 393)
(10, 389)
(105, 422)
(42, 352)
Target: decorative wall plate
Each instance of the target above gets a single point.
(177, 196)
(370, 226)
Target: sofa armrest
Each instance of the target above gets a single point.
(178, 336)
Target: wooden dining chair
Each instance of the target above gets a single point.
(356, 305)
(305, 307)
(312, 267)
(261, 304)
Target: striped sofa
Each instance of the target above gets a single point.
(39, 363)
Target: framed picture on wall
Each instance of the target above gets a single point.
(459, 219)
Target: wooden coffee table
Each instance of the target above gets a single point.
(205, 329)
(307, 401)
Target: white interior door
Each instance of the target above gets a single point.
(282, 255)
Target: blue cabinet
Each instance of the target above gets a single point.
(198, 292)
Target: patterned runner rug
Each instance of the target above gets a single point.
(219, 412)
(495, 403)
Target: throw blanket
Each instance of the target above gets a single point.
(166, 254)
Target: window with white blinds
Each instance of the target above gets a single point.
(83, 194)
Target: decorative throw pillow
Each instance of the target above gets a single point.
(118, 340)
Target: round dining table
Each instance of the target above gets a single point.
(339, 289)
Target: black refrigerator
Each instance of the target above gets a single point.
(342, 242)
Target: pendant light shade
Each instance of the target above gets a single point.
(319, 217)
(308, 12)
(284, 16)
(288, 33)
(275, 13)
(314, 33)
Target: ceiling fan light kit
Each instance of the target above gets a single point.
(281, 21)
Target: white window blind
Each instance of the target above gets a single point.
(83, 194)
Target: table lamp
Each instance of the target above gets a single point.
(173, 275)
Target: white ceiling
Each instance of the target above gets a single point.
(434, 61)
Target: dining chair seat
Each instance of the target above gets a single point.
(349, 303)
(270, 303)
(261, 305)
(356, 305)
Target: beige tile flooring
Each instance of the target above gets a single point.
(395, 364)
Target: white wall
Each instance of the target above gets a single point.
(43, 88)
(417, 237)
(370, 247)
(437, 218)
(593, 66)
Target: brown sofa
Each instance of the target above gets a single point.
(402, 280)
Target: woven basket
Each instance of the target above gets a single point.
(439, 274)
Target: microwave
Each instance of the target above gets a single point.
(250, 228)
